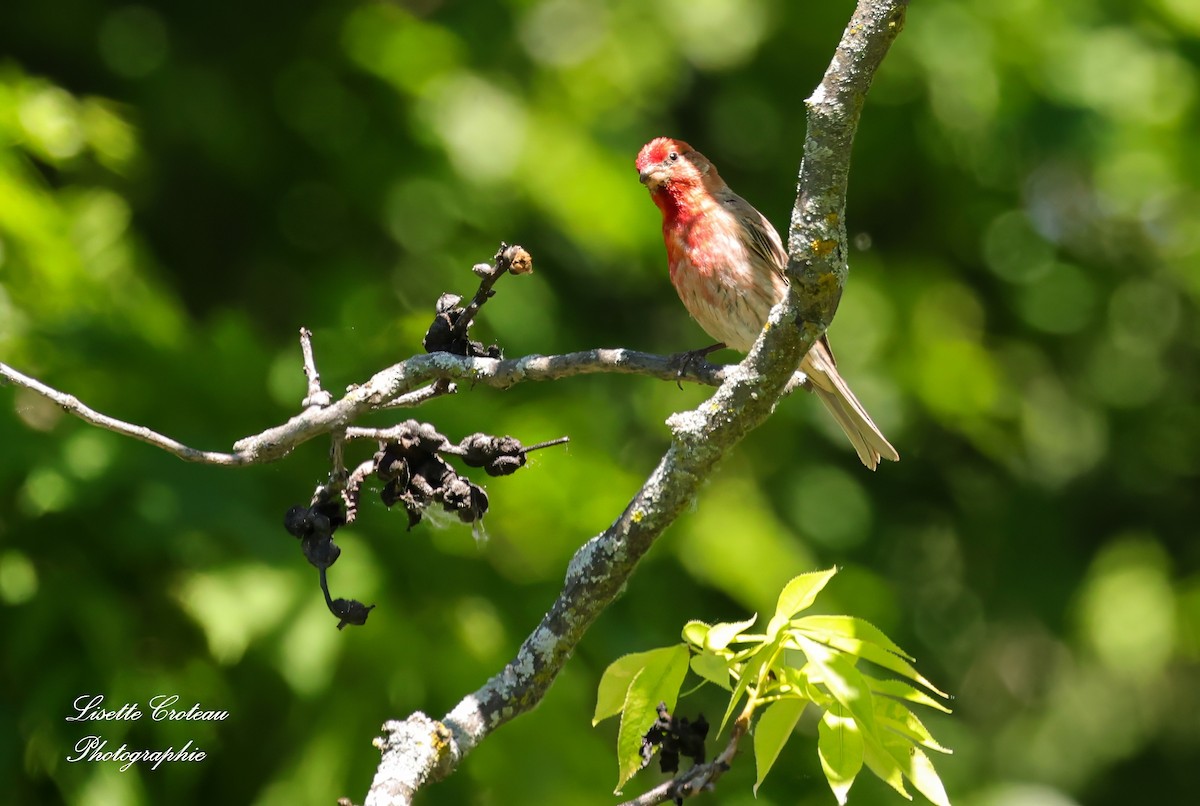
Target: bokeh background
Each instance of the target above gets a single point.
(184, 185)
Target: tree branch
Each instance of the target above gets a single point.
(419, 749)
(72, 405)
(403, 385)
(817, 246)
(316, 395)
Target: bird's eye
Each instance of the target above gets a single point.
(673, 156)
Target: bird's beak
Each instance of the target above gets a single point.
(651, 177)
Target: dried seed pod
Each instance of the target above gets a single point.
(350, 611)
(516, 260)
(498, 456)
(321, 552)
(298, 521)
(390, 464)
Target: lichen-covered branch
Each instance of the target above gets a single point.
(419, 749)
(817, 246)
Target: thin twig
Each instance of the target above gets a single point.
(550, 443)
(72, 405)
(337, 454)
(506, 258)
(352, 490)
(410, 400)
(388, 434)
(316, 395)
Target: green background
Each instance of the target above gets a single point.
(184, 185)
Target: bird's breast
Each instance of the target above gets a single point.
(717, 279)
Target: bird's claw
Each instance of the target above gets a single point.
(686, 361)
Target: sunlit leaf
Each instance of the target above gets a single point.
(771, 733)
(900, 690)
(864, 649)
(852, 627)
(891, 754)
(712, 668)
(614, 683)
(883, 764)
(747, 674)
(801, 592)
(776, 624)
(809, 675)
(925, 778)
(657, 681)
(694, 632)
(844, 682)
(840, 747)
(719, 635)
(794, 681)
(895, 716)
(636, 708)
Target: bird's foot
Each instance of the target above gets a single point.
(685, 361)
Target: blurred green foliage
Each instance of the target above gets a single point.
(183, 185)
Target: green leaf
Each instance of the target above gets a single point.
(893, 758)
(896, 717)
(801, 592)
(614, 683)
(774, 728)
(899, 690)
(840, 747)
(657, 681)
(925, 778)
(861, 648)
(880, 762)
(853, 627)
(746, 674)
(844, 682)
(635, 710)
(795, 682)
(713, 668)
(719, 635)
(776, 624)
(694, 633)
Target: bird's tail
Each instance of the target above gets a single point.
(833, 391)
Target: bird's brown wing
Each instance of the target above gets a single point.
(761, 237)
(764, 241)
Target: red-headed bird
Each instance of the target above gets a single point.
(727, 261)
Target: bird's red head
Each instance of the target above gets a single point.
(665, 162)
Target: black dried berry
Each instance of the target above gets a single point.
(298, 521)
(350, 611)
(321, 552)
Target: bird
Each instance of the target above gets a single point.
(727, 263)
